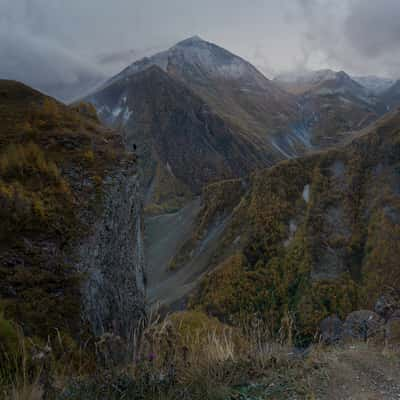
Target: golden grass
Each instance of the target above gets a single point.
(191, 356)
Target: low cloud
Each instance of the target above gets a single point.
(65, 47)
(44, 64)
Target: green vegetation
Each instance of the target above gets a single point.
(47, 150)
(305, 257)
(168, 194)
(192, 356)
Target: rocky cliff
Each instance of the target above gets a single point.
(312, 237)
(71, 234)
(112, 259)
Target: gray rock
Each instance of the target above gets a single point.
(331, 329)
(112, 259)
(385, 306)
(392, 329)
(363, 325)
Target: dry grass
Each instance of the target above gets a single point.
(191, 356)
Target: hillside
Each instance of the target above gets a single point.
(185, 145)
(64, 180)
(391, 96)
(333, 103)
(238, 120)
(375, 84)
(231, 86)
(313, 237)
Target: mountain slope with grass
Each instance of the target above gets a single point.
(313, 237)
(197, 107)
(182, 142)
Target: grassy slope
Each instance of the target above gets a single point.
(340, 253)
(52, 163)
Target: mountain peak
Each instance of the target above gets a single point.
(191, 41)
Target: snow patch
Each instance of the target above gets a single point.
(306, 193)
(292, 232)
(104, 110)
(280, 149)
(116, 111)
(169, 169)
(126, 115)
(303, 135)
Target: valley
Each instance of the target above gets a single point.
(192, 229)
(316, 112)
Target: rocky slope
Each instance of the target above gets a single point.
(375, 84)
(199, 114)
(185, 145)
(333, 103)
(231, 86)
(70, 238)
(313, 236)
(322, 81)
(391, 96)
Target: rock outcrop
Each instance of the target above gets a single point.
(363, 325)
(331, 249)
(112, 259)
(331, 330)
(70, 211)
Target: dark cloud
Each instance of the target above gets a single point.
(359, 36)
(64, 47)
(373, 27)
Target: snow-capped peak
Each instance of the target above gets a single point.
(194, 40)
(195, 58)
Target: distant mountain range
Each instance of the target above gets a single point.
(270, 199)
(375, 84)
(302, 81)
(199, 113)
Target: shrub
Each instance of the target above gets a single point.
(88, 156)
(21, 161)
(8, 337)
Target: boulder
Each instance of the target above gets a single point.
(363, 325)
(392, 329)
(331, 329)
(385, 306)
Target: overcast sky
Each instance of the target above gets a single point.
(61, 45)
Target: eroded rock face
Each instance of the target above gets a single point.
(112, 260)
(363, 325)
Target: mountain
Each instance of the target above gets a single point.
(229, 84)
(70, 233)
(338, 103)
(324, 82)
(182, 143)
(375, 84)
(300, 82)
(254, 123)
(312, 237)
(199, 114)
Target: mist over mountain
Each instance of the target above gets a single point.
(39, 47)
